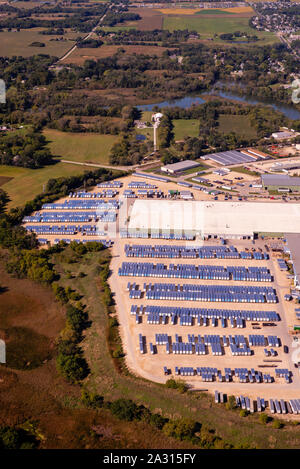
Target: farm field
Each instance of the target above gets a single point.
(27, 5)
(84, 148)
(151, 19)
(185, 128)
(24, 184)
(207, 27)
(210, 11)
(82, 54)
(238, 124)
(17, 43)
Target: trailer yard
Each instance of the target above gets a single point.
(208, 311)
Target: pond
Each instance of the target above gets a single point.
(185, 102)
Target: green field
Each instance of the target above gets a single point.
(235, 123)
(84, 148)
(17, 43)
(27, 183)
(207, 27)
(185, 128)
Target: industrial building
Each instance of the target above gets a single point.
(179, 167)
(293, 249)
(281, 183)
(236, 220)
(283, 135)
(227, 158)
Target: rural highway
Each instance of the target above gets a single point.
(121, 168)
(67, 54)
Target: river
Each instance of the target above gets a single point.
(288, 110)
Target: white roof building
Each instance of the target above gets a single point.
(231, 220)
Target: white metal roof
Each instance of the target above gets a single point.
(220, 218)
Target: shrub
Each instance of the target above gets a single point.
(183, 429)
(157, 421)
(264, 418)
(231, 404)
(125, 409)
(94, 401)
(243, 413)
(118, 352)
(72, 366)
(277, 424)
(176, 384)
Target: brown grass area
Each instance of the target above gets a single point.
(80, 55)
(4, 180)
(29, 322)
(40, 395)
(151, 19)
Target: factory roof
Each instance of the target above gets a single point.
(220, 218)
(279, 180)
(181, 165)
(293, 241)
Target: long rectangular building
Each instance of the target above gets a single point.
(223, 219)
(280, 181)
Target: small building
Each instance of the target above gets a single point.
(281, 183)
(157, 117)
(186, 195)
(179, 167)
(283, 135)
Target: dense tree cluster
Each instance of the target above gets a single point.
(112, 18)
(128, 151)
(165, 131)
(24, 149)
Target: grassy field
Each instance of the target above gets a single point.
(207, 27)
(18, 43)
(84, 148)
(239, 124)
(25, 184)
(185, 128)
(208, 11)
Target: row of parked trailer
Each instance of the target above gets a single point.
(154, 318)
(276, 406)
(105, 242)
(205, 313)
(141, 185)
(192, 271)
(199, 345)
(110, 184)
(87, 230)
(209, 293)
(80, 204)
(145, 234)
(213, 374)
(201, 252)
(85, 217)
(109, 194)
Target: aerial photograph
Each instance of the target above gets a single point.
(149, 209)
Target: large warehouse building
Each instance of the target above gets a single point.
(179, 167)
(280, 182)
(207, 219)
